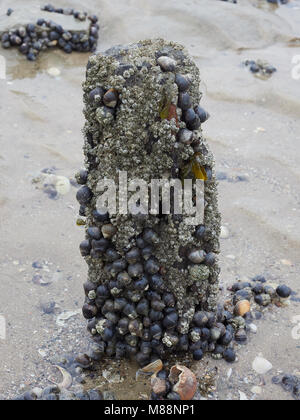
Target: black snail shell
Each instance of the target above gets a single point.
(84, 195)
(283, 291)
(170, 320)
(85, 248)
(182, 82)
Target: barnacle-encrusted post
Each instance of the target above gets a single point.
(152, 278)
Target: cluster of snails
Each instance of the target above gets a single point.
(45, 34)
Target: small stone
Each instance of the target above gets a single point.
(54, 72)
(167, 63)
(242, 307)
(224, 232)
(257, 390)
(261, 365)
(243, 396)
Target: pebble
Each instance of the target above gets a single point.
(62, 185)
(224, 232)
(243, 396)
(167, 63)
(54, 72)
(253, 328)
(261, 365)
(256, 390)
(48, 307)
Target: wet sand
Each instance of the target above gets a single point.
(253, 131)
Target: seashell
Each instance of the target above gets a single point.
(130, 311)
(89, 311)
(184, 382)
(108, 231)
(263, 299)
(112, 255)
(89, 287)
(142, 359)
(146, 322)
(258, 289)
(158, 305)
(135, 270)
(140, 242)
(83, 361)
(195, 334)
(159, 386)
(96, 95)
(185, 136)
(169, 300)
(112, 317)
(85, 248)
(210, 259)
(241, 336)
(202, 114)
(150, 237)
(227, 338)
(215, 334)
(170, 321)
(101, 215)
(94, 233)
(142, 307)
(107, 334)
(182, 82)
(269, 290)
(205, 334)
(136, 328)
(122, 327)
(108, 306)
(229, 355)
(243, 294)
(198, 355)
(120, 350)
(166, 63)
(283, 291)
(147, 252)
(119, 304)
(110, 99)
(133, 256)
(196, 256)
(185, 101)
(124, 279)
(200, 319)
(156, 331)
(84, 195)
(153, 367)
(66, 380)
(145, 347)
(152, 266)
(101, 245)
(82, 177)
(242, 308)
(102, 291)
(183, 344)
(155, 315)
(156, 282)
(173, 396)
(118, 266)
(141, 284)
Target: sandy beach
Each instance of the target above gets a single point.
(254, 132)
